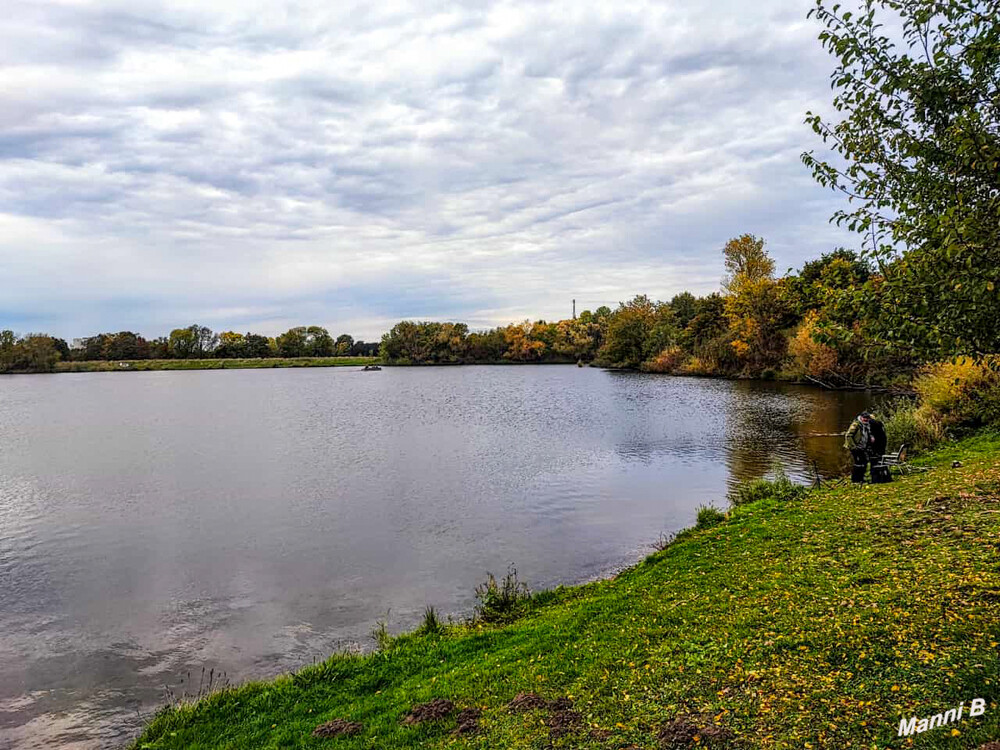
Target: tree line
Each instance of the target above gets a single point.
(802, 325)
(36, 352)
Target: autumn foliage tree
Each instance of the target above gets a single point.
(812, 357)
(521, 346)
(637, 330)
(231, 345)
(34, 352)
(755, 306)
(746, 262)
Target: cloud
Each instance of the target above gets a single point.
(258, 165)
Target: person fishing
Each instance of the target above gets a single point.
(860, 442)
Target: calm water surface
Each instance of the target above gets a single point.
(152, 524)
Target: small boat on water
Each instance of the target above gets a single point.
(372, 368)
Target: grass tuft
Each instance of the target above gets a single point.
(431, 624)
(380, 634)
(709, 516)
(780, 488)
(501, 601)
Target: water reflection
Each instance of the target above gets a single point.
(795, 426)
(152, 524)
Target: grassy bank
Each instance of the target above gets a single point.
(212, 364)
(815, 623)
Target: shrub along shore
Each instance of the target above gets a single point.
(814, 619)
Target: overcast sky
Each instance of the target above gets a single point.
(258, 165)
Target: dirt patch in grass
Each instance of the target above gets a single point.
(990, 746)
(691, 731)
(337, 728)
(468, 721)
(435, 710)
(525, 702)
(563, 722)
(562, 718)
(560, 704)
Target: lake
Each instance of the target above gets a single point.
(250, 522)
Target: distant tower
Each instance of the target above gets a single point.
(574, 309)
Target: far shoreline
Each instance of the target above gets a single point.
(149, 365)
(264, 363)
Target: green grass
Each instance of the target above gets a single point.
(816, 622)
(213, 364)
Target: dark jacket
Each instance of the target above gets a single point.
(877, 429)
